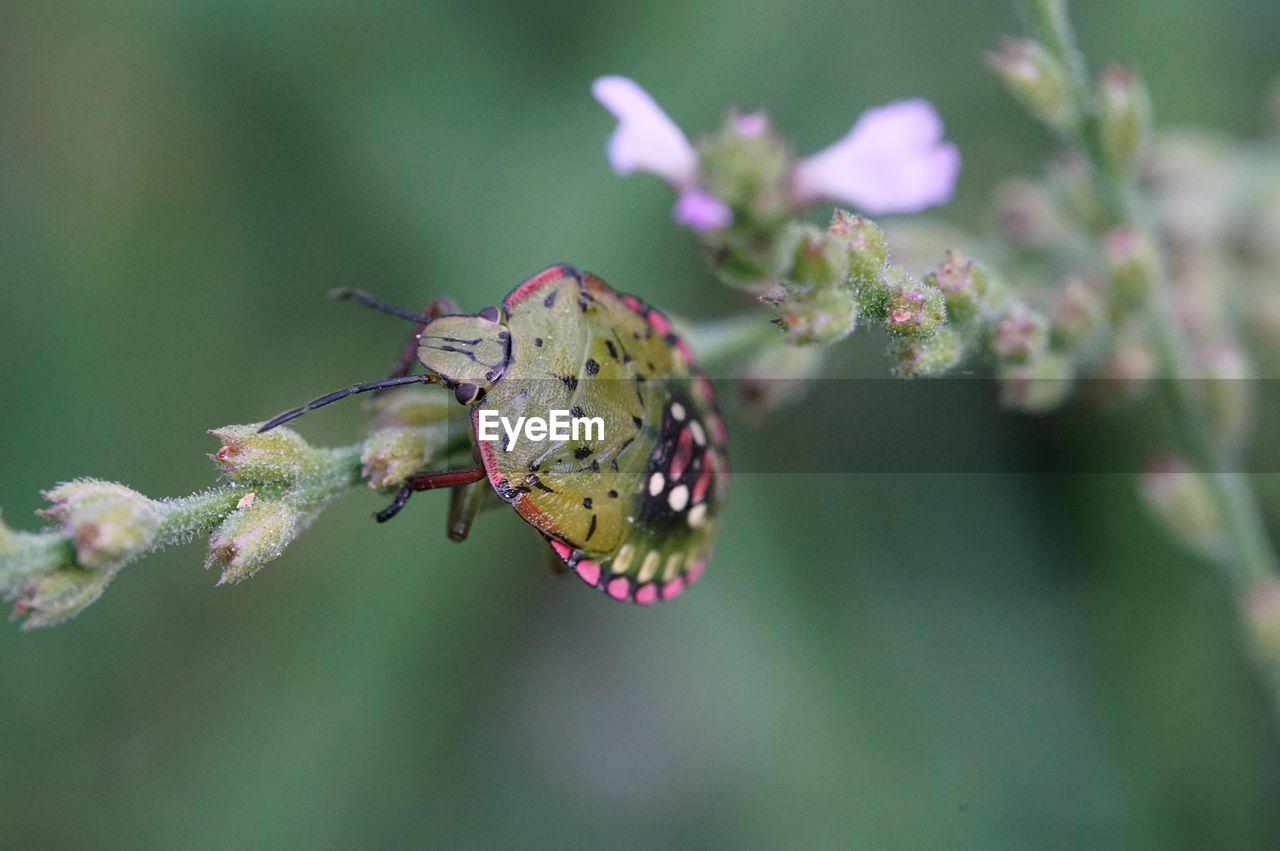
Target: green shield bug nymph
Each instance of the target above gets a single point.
(632, 508)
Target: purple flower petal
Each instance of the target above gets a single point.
(646, 138)
(894, 160)
(701, 211)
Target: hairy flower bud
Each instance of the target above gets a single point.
(1182, 500)
(1019, 336)
(928, 357)
(778, 374)
(57, 596)
(1038, 386)
(1075, 314)
(1036, 80)
(815, 314)
(1027, 216)
(1262, 609)
(279, 456)
(914, 310)
(964, 285)
(1124, 120)
(864, 242)
(749, 171)
(392, 455)
(1131, 263)
(251, 536)
(110, 523)
(820, 259)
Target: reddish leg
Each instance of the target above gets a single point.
(430, 481)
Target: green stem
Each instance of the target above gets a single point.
(1251, 560)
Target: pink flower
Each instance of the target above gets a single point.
(701, 211)
(894, 160)
(646, 139)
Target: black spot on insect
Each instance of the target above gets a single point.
(640, 377)
(591, 366)
(537, 483)
(671, 339)
(591, 530)
(595, 466)
(570, 381)
(534, 466)
(586, 502)
(582, 305)
(613, 494)
(550, 301)
(652, 368)
(577, 412)
(537, 342)
(613, 350)
(490, 313)
(639, 422)
(581, 452)
(635, 334)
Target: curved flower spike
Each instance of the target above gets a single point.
(646, 139)
(894, 160)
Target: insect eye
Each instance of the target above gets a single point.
(466, 393)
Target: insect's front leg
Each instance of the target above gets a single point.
(430, 481)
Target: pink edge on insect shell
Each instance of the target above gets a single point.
(694, 572)
(618, 588)
(659, 322)
(589, 572)
(647, 595)
(672, 588)
(563, 550)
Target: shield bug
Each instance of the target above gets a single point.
(633, 511)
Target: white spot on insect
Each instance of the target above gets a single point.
(698, 515)
(648, 567)
(678, 498)
(699, 436)
(677, 411)
(656, 483)
(671, 568)
(623, 559)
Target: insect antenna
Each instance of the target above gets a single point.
(329, 398)
(370, 300)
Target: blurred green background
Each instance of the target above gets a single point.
(962, 661)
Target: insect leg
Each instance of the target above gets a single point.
(429, 481)
(465, 503)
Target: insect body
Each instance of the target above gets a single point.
(633, 512)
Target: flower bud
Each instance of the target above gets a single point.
(1131, 263)
(914, 310)
(1128, 372)
(279, 456)
(779, 374)
(392, 455)
(1038, 386)
(928, 357)
(1075, 314)
(815, 314)
(1019, 336)
(110, 523)
(414, 406)
(964, 285)
(252, 536)
(1027, 216)
(748, 166)
(1072, 176)
(1181, 498)
(1262, 610)
(1124, 119)
(1226, 391)
(865, 243)
(57, 596)
(820, 259)
(1037, 81)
